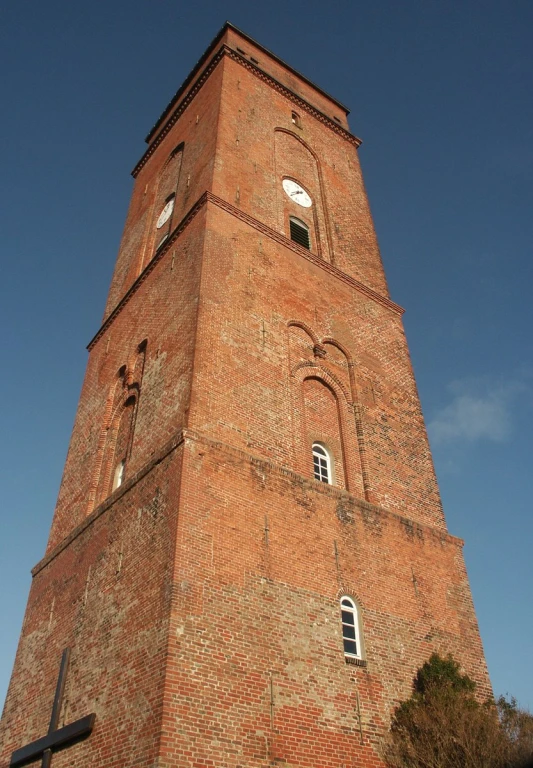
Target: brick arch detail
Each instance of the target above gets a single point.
(127, 397)
(348, 434)
(128, 400)
(349, 590)
(322, 187)
(123, 393)
(351, 396)
(298, 324)
(324, 373)
(358, 414)
(341, 347)
(147, 250)
(328, 340)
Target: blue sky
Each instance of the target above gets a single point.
(440, 93)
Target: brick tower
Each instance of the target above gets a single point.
(248, 558)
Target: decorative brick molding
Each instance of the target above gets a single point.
(350, 591)
(126, 486)
(319, 370)
(293, 97)
(258, 72)
(184, 435)
(278, 237)
(260, 227)
(312, 335)
(184, 223)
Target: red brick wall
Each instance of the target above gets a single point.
(251, 289)
(322, 424)
(253, 155)
(107, 595)
(201, 599)
(264, 583)
(251, 592)
(197, 129)
(163, 311)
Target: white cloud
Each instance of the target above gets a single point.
(479, 410)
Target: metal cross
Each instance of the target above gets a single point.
(57, 738)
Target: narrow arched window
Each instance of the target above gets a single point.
(351, 635)
(118, 479)
(299, 232)
(322, 464)
(295, 119)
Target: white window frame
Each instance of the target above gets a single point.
(324, 471)
(350, 622)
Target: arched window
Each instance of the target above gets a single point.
(299, 232)
(118, 479)
(295, 119)
(165, 202)
(351, 635)
(322, 464)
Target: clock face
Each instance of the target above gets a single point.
(297, 193)
(165, 213)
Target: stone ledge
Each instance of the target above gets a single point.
(322, 488)
(260, 227)
(105, 505)
(184, 435)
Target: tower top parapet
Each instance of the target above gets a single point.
(231, 38)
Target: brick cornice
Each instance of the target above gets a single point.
(262, 75)
(294, 97)
(291, 245)
(184, 223)
(412, 526)
(260, 227)
(180, 108)
(182, 436)
(170, 446)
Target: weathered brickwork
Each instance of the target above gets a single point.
(163, 312)
(107, 594)
(192, 175)
(194, 565)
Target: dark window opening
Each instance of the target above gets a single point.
(300, 233)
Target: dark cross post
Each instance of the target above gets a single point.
(56, 737)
